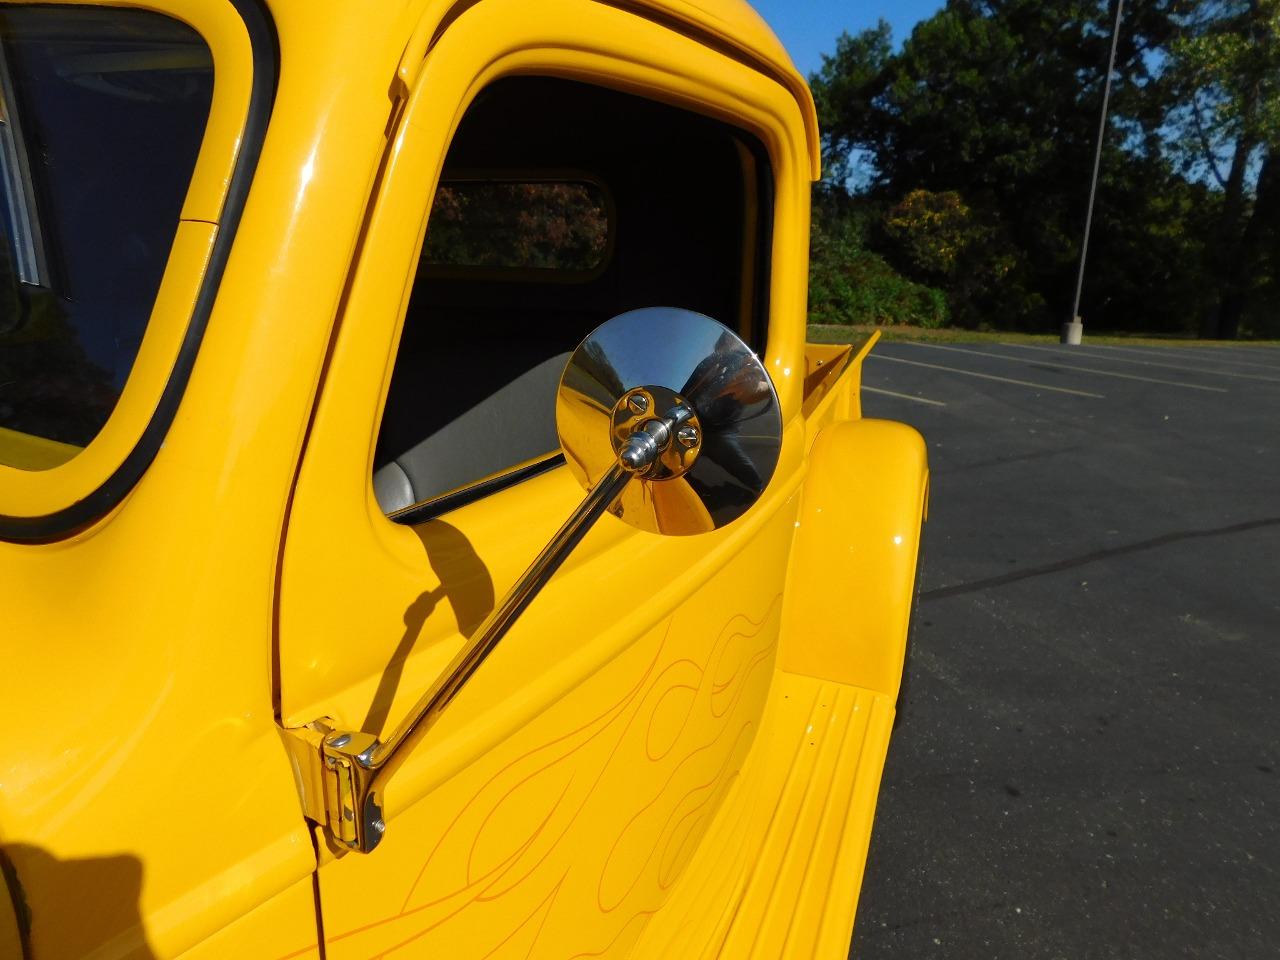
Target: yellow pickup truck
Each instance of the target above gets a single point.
(424, 529)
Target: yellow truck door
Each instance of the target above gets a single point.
(565, 790)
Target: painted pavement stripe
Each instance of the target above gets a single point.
(1070, 366)
(1062, 352)
(988, 376)
(1196, 353)
(903, 396)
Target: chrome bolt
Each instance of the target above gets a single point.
(688, 436)
(379, 826)
(639, 452)
(341, 740)
(638, 403)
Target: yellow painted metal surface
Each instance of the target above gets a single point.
(579, 799)
(833, 398)
(634, 726)
(146, 800)
(268, 929)
(779, 871)
(858, 530)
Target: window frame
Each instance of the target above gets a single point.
(44, 505)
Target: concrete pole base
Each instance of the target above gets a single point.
(1072, 332)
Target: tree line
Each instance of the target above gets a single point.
(957, 169)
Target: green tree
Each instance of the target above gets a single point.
(1224, 79)
(844, 91)
(959, 249)
(848, 284)
(995, 102)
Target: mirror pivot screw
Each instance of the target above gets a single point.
(639, 452)
(688, 436)
(638, 403)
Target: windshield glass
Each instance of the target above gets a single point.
(101, 116)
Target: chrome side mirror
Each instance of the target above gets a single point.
(700, 393)
(672, 424)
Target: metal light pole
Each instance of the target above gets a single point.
(1073, 330)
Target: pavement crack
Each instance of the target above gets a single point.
(1073, 562)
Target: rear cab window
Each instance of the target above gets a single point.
(541, 227)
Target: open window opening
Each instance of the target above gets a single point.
(561, 204)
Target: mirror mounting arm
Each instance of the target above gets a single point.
(358, 765)
(696, 408)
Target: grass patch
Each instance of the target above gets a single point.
(831, 333)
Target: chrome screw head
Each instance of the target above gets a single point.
(638, 403)
(688, 436)
(341, 740)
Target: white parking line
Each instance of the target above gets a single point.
(903, 396)
(1194, 352)
(1069, 366)
(988, 376)
(1146, 363)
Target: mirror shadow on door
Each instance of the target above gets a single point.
(465, 585)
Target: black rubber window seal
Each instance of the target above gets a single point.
(72, 519)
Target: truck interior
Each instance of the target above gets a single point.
(561, 204)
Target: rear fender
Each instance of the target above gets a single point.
(851, 579)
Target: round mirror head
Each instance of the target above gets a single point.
(699, 390)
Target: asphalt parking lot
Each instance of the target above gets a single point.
(1088, 764)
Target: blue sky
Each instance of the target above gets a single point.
(809, 28)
